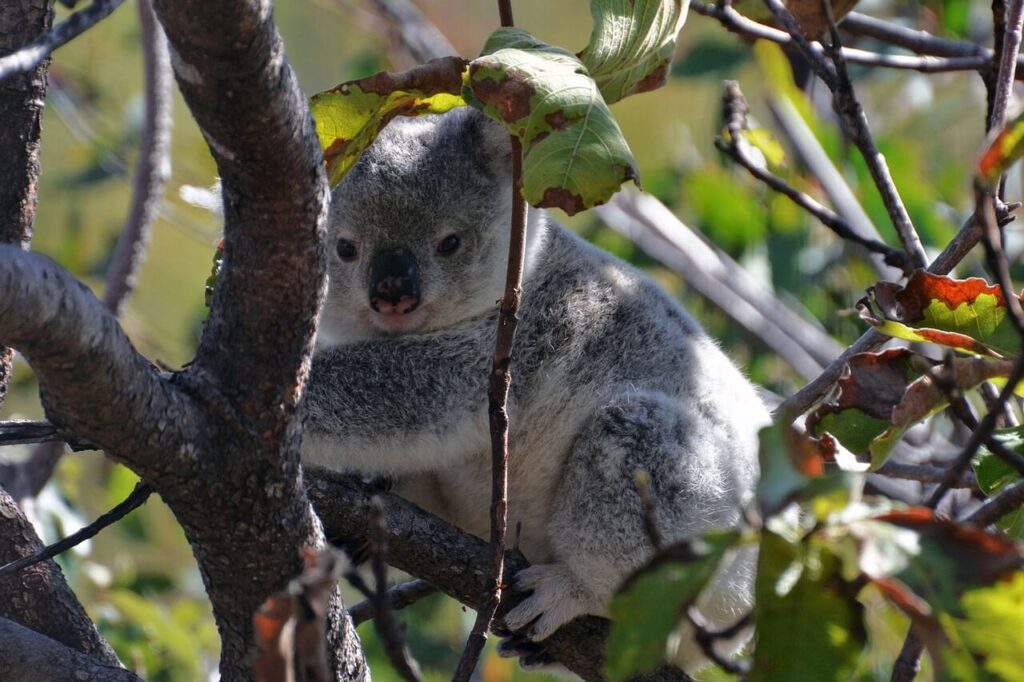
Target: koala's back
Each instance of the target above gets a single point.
(597, 338)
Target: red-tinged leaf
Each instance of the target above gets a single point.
(955, 555)
(968, 314)
(1002, 152)
(926, 395)
(860, 415)
(290, 626)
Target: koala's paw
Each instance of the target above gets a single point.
(555, 597)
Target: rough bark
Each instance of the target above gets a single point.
(39, 598)
(28, 655)
(453, 561)
(21, 110)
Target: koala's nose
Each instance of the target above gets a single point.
(394, 282)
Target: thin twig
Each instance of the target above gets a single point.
(135, 499)
(735, 22)
(151, 168)
(642, 481)
(30, 56)
(849, 109)
(924, 473)
(497, 400)
(999, 505)
(399, 597)
(908, 663)
(736, 110)
(914, 40)
(18, 432)
(384, 622)
(706, 639)
(1008, 57)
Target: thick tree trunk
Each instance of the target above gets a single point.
(21, 110)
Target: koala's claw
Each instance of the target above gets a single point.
(531, 655)
(555, 598)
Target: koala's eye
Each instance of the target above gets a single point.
(448, 245)
(347, 250)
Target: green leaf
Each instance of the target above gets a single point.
(650, 605)
(994, 474)
(574, 155)
(990, 629)
(763, 140)
(965, 314)
(809, 623)
(632, 43)
(350, 116)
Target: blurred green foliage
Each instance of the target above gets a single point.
(139, 580)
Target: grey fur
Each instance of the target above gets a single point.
(610, 376)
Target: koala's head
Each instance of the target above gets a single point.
(419, 228)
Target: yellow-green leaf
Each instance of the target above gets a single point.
(350, 116)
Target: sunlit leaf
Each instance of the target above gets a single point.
(649, 607)
(809, 623)
(632, 43)
(994, 474)
(965, 314)
(1002, 152)
(574, 155)
(350, 116)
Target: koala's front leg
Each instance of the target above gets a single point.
(399, 404)
(699, 471)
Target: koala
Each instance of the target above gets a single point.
(610, 377)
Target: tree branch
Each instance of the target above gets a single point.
(735, 22)
(92, 381)
(452, 560)
(38, 597)
(258, 340)
(21, 109)
(29, 655)
(32, 55)
(398, 598)
(150, 170)
(736, 148)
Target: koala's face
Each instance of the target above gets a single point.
(419, 229)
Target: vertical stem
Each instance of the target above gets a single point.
(497, 401)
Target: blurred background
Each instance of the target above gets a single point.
(138, 579)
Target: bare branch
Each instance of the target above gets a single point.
(151, 168)
(417, 36)
(398, 597)
(914, 40)
(846, 104)
(32, 55)
(497, 401)
(924, 473)
(454, 561)
(21, 108)
(29, 655)
(92, 381)
(1008, 58)
(737, 23)
(999, 505)
(19, 432)
(135, 499)
(38, 597)
(736, 110)
(384, 622)
(908, 663)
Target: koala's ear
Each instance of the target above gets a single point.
(490, 146)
